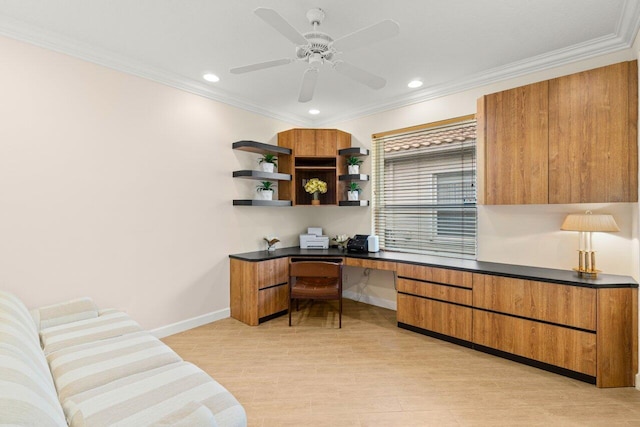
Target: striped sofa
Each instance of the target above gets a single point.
(71, 364)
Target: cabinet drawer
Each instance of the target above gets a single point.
(555, 345)
(562, 304)
(273, 300)
(447, 319)
(272, 272)
(437, 275)
(373, 264)
(432, 290)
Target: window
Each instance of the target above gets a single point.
(424, 185)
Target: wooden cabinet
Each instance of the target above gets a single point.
(258, 289)
(314, 155)
(371, 263)
(591, 331)
(514, 146)
(567, 140)
(592, 136)
(435, 300)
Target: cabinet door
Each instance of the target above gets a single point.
(326, 143)
(514, 146)
(447, 319)
(304, 144)
(273, 300)
(592, 138)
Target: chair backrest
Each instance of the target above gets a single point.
(315, 269)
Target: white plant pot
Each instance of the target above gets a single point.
(353, 196)
(267, 167)
(354, 169)
(265, 195)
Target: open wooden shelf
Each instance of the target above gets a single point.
(353, 151)
(251, 202)
(357, 177)
(353, 203)
(260, 147)
(260, 175)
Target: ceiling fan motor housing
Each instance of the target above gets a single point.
(319, 43)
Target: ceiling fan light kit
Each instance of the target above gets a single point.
(317, 48)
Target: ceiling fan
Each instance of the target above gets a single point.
(317, 48)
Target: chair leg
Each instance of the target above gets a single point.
(289, 311)
(340, 315)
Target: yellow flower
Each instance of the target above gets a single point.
(314, 185)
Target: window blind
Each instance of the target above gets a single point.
(424, 190)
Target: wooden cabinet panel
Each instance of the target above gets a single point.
(436, 275)
(447, 319)
(431, 290)
(373, 264)
(555, 345)
(563, 304)
(247, 278)
(304, 142)
(592, 138)
(617, 337)
(273, 300)
(515, 146)
(326, 143)
(272, 272)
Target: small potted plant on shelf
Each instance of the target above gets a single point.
(271, 243)
(265, 190)
(268, 161)
(353, 164)
(341, 240)
(353, 191)
(314, 187)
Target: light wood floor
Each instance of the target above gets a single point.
(371, 373)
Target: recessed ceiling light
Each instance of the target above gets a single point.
(414, 84)
(314, 111)
(211, 77)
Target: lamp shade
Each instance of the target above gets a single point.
(589, 222)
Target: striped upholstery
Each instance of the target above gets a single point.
(27, 394)
(65, 312)
(108, 325)
(152, 397)
(83, 367)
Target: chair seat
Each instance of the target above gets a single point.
(316, 280)
(316, 288)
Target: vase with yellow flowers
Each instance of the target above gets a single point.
(314, 187)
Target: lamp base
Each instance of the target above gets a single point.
(591, 274)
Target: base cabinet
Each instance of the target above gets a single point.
(258, 289)
(437, 316)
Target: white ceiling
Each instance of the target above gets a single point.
(450, 45)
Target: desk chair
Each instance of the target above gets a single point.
(313, 280)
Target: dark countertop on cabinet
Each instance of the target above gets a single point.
(550, 275)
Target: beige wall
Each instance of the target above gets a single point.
(120, 188)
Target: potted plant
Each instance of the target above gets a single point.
(353, 191)
(353, 164)
(268, 161)
(314, 187)
(265, 190)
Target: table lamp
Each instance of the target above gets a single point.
(586, 224)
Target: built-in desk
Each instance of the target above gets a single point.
(549, 318)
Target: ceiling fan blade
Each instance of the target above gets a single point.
(274, 19)
(308, 85)
(374, 33)
(260, 66)
(360, 75)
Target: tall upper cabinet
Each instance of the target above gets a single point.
(567, 140)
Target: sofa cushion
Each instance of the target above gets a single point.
(108, 325)
(26, 399)
(65, 312)
(147, 398)
(86, 366)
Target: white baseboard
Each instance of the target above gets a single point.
(378, 302)
(194, 322)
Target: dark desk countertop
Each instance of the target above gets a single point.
(551, 275)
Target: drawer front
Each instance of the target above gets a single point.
(273, 300)
(437, 275)
(272, 272)
(563, 304)
(432, 290)
(447, 319)
(555, 345)
(369, 263)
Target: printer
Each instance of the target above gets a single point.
(314, 239)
